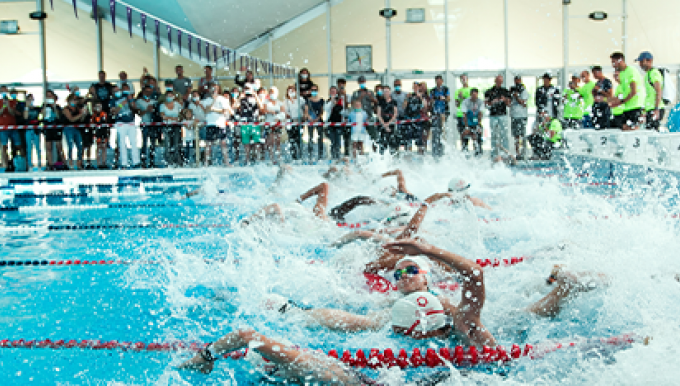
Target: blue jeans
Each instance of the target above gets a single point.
(587, 122)
(33, 139)
(335, 134)
(73, 137)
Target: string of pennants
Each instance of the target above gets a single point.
(228, 56)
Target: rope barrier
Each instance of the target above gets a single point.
(459, 356)
(162, 124)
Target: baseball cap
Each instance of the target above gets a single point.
(644, 55)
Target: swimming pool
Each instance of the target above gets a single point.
(613, 218)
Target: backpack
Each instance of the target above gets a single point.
(668, 88)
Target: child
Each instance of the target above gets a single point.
(601, 112)
(101, 133)
(189, 125)
(358, 118)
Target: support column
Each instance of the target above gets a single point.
(270, 42)
(157, 61)
(40, 5)
(450, 80)
(100, 45)
(565, 46)
(329, 46)
(506, 23)
(388, 44)
(624, 33)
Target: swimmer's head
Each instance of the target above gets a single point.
(419, 315)
(459, 188)
(412, 274)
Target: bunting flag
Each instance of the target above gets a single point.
(95, 10)
(158, 31)
(143, 17)
(169, 36)
(52, 5)
(179, 41)
(189, 43)
(241, 63)
(215, 55)
(129, 19)
(75, 8)
(112, 5)
(207, 51)
(224, 57)
(198, 42)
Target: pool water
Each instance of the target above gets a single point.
(211, 275)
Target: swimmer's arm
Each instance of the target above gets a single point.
(479, 203)
(417, 220)
(339, 320)
(401, 181)
(193, 193)
(359, 235)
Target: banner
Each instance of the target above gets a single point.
(179, 41)
(95, 11)
(189, 43)
(129, 19)
(169, 36)
(158, 31)
(75, 8)
(143, 17)
(112, 5)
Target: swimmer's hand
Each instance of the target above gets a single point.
(408, 247)
(197, 363)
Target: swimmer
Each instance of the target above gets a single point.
(508, 159)
(335, 172)
(402, 191)
(421, 315)
(460, 188)
(275, 210)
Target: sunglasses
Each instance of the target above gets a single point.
(411, 270)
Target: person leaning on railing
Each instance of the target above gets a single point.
(52, 115)
(32, 135)
(293, 106)
(172, 134)
(147, 107)
(334, 111)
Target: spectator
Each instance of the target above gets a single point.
(8, 114)
(345, 101)
(207, 82)
(181, 85)
(169, 87)
(198, 110)
(633, 99)
(122, 114)
(548, 97)
(587, 92)
(274, 114)
(357, 119)
(617, 112)
(463, 94)
(123, 80)
(293, 106)
(75, 115)
(473, 111)
(601, 112)
(334, 111)
(415, 104)
(573, 105)
(603, 84)
(249, 80)
(147, 80)
(172, 133)
(99, 117)
(440, 97)
(497, 99)
(399, 96)
(218, 109)
(248, 112)
(235, 105)
(87, 132)
(52, 115)
(262, 97)
(378, 94)
(305, 83)
(387, 116)
(547, 135)
(33, 137)
(654, 80)
(314, 116)
(368, 103)
(425, 116)
(147, 108)
(103, 91)
(519, 113)
(189, 125)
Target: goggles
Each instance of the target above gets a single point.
(411, 270)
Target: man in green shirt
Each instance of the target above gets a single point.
(654, 87)
(462, 94)
(633, 93)
(573, 105)
(617, 111)
(547, 135)
(586, 92)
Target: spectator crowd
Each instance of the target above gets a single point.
(176, 115)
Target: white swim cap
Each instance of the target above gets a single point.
(401, 212)
(422, 263)
(419, 311)
(458, 185)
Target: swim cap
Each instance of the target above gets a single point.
(401, 213)
(419, 311)
(457, 185)
(422, 263)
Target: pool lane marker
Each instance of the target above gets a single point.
(33, 209)
(81, 227)
(459, 356)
